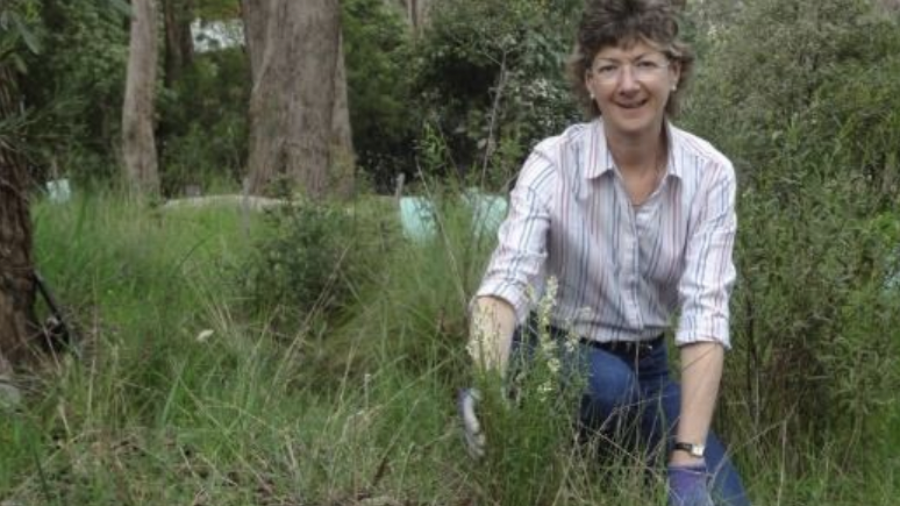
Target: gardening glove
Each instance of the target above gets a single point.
(467, 403)
(687, 486)
(10, 395)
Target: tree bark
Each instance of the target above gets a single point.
(139, 145)
(890, 5)
(342, 157)
(255, 14)
(18, 326)
(299, 121)
(415, 11)
(179, 43)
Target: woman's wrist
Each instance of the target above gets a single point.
(684, 459)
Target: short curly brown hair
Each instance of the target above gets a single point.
(612, 23)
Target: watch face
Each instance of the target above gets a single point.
(697, 450)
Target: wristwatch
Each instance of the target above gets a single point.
(691, 448)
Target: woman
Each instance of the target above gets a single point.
(635, 218)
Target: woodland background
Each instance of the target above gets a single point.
(310, 353)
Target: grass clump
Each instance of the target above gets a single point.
(529, 420)
(311, 260)
(412, 315)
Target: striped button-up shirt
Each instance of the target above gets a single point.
(623, 270)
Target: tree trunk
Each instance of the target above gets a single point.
(890, 5)
(139, 146)
(299, 122)
(342, 158)
(416, 12)
(18, 326)
(255, 14)
(179, 43)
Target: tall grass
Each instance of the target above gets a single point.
(157, 412)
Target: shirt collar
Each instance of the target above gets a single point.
(676, 149)
(597, 159)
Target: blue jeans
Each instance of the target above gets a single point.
(630, 398)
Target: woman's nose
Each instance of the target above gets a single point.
(627, 79)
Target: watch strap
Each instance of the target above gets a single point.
(693, 449)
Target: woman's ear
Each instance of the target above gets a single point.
(675, 73)
(588, 82)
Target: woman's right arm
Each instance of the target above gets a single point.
(502, 301)
(490, 333)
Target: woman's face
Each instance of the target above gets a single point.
(631, 86)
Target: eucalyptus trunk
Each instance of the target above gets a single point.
(18, 326)
(138, 142)
(299, 121)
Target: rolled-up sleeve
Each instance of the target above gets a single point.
(517, 262)
(709, 274)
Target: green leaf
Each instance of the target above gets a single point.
(19, 64)
(121, 6)
(27, 35)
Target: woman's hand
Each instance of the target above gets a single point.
(467, 404)
(688, 486)
(492, 327)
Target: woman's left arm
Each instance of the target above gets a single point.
(705, 289)
(701, 370)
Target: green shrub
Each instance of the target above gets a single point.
(203, 122)
(802, 95)
(79, 79)
(377, 44)
(311, 262)
(411, 315)
(533, 431)
(489, 79)
(766, 68)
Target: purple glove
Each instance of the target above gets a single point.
(466, 402)
(687, 486)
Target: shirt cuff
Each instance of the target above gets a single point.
(508, 292)
(706, 330)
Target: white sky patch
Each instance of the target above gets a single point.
(216, 35)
